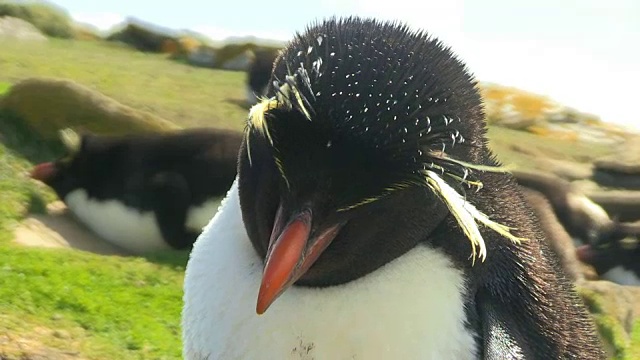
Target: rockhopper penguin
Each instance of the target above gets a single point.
(144, 192)
(369, 220)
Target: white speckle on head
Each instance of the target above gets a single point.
(622, 276)
(315, 66)
(412, 308)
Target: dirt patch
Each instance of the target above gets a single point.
(29, 347)
(59, 229)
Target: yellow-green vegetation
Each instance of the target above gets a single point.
(4, 87)
(173, 91)
(528, 105)
(618, 344)
(525, 110)
(49, 19)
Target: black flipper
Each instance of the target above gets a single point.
(171, 203)
(498, 340)
(516, 325)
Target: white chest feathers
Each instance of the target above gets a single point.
(622, 276)
(412, 308)
(127, 227)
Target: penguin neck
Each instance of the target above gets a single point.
(416, 302)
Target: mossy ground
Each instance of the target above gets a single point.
(109, 307)
(619, 345)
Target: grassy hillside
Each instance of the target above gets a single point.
(177, 92)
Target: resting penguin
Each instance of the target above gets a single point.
(369, 220)
(144, 192)
(617, 260)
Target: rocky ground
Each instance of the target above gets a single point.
(18, 29)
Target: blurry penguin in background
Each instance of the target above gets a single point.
(144, 192)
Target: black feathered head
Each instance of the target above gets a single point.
(360, 110)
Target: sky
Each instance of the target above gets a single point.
(582, 53)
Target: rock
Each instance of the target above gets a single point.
(624, 161)
(145, 36)
(614, 179)
(581, 217)
(514, 108)
(621, 169)
(557, 237)
(48, 105)
(616, 309)
(18, 29)
(186, 46)
(569, 170)
(521, 110)
(239, 62)
(204, 56)
(623, 205)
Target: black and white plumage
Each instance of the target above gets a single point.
(144, 192)
(616, 259)
(370, 219)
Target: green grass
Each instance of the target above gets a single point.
(128, 308)
(18, 196)
(4, 87)
(180, 93)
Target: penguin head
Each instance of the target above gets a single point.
(604, 256)
(366, 142)
(86, 157)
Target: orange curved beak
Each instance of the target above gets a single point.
(290, 255)
(43, 171)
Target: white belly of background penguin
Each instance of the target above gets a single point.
(127, 227)
(621, 276)
(350, 321)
